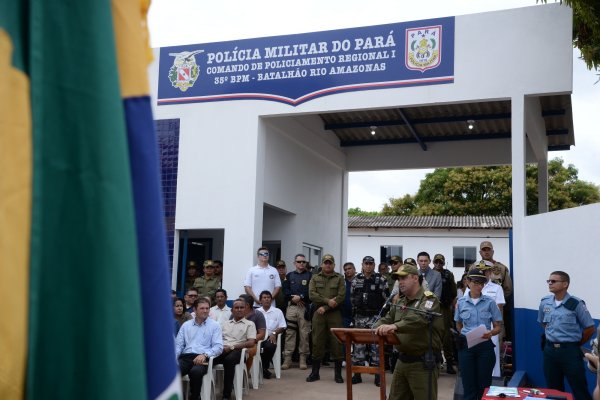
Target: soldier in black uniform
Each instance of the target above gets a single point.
(369, 290)
(446, 303)
(295, 288)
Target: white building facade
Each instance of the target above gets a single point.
(457, 238)
(267, 131)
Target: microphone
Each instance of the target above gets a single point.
(389, 299)
(385, 305)
(395, 291)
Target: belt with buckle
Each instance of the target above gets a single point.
(558, 345)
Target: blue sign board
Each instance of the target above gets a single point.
(294, 69)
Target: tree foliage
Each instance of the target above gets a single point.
(586, 29)
(357, 212)
(487, 191)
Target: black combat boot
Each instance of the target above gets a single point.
(356, 378)
(338, 372)
(450, 368)
(377, 380)
(314, 375)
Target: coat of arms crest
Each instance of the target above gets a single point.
(184, 71)
(423, 48)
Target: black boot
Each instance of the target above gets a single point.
(377, 380)
(314, 375)
(338, 372)
(450, 368)
(356, 378)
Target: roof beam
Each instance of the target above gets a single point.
(479, 136)
(412, 130)
(434, 120)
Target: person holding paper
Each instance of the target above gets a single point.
(477, 312)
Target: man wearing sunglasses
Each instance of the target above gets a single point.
(295, 288)
(262, 277)
(567, 325)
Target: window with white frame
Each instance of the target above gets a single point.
(463, 256)
(312, 253)
(386, 252)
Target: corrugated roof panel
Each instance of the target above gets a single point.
(423, 222)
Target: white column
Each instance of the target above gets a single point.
(344, 230)
(543, 185)
(518, 182)
(536, 134)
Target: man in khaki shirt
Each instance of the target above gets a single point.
(327, 291)
(238, 333)
(208, 284)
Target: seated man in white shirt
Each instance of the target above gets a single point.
(275, 325)
(220, 312)
(238, 333)
(198, 340)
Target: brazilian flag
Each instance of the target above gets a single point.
(84, 289)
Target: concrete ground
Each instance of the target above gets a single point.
(293, 385)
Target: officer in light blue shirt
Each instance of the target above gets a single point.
(473, 310)
(567, 324)
(198, 340)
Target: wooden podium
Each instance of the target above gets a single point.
(364, 336)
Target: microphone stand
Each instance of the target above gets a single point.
(429, 359)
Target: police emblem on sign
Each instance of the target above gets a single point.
(423, 48)
(184, 71)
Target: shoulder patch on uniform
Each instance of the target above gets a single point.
(571, 304)
(428, 304)
(429, 294)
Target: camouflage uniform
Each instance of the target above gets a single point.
(368, 297)
(411, 377)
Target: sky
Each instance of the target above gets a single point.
(178, 22)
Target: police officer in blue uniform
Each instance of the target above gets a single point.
(477, 362)
(567, 325)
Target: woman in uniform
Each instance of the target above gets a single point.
(474, 310)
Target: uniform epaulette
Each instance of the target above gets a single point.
(572, 303)
(429, 294)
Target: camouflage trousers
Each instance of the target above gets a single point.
(359, 355)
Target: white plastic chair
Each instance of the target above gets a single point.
(240, 380)
(208, 384)
(256, 369)
(277, 358)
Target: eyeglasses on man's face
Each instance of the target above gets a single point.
(264, 254)
(552, 281)
(300, 261)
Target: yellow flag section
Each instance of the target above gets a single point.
(133, 50)
(15, 221)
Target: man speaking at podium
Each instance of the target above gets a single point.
(416, 372)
